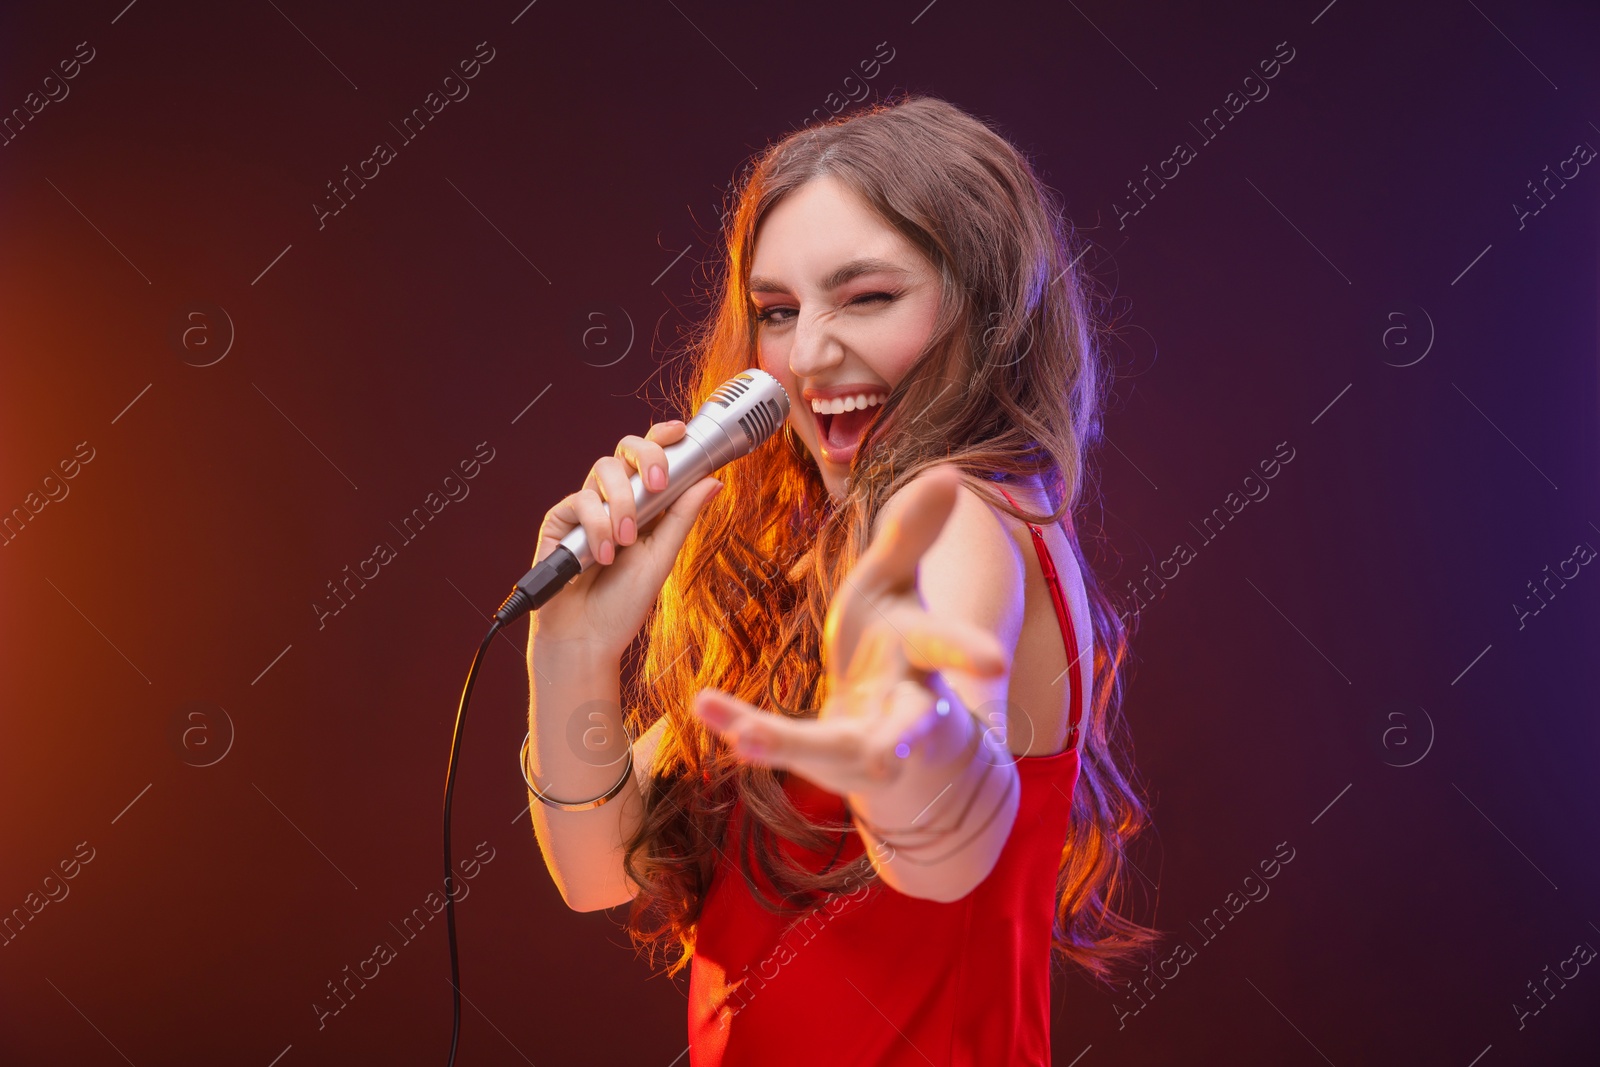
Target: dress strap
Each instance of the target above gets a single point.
(1064, 616)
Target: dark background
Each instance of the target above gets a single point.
(1342, 669)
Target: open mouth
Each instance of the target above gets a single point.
(841, 429)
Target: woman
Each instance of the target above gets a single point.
(854, 808)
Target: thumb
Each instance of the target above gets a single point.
(672, 526)
(911, 523)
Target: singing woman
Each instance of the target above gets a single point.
(872, 774)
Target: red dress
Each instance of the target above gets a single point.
(876, 977)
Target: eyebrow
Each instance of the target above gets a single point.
(853, 269)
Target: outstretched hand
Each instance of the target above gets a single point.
(881, 649)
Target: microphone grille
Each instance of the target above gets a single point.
(730, 390)
(761, 421)
(754, 401)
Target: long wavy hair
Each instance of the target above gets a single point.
(1011, 384)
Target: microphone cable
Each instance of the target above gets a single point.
(548, 576)
(449, 872)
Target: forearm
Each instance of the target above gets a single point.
(938, 828)
(577, 750)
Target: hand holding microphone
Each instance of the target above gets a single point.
(609, 600)
(616, 502)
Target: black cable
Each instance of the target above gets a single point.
(545, 580)
(449, 873)
(541, 583)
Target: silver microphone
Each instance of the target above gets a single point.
(744, 411)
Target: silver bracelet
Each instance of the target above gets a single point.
(894, 849)
(582, 805)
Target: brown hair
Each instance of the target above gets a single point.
(1011, 383)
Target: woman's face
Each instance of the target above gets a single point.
(844, 306)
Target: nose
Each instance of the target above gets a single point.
(814, 348)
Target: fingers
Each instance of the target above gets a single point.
(664, 538)
(911, 637)
(846, 749)
(911, 523)
(667, 432)
(590, 513)
(934, 643)
(647, 456)
(615, 524)
(583, 508)
(557, 523)
(775, 739)
(612, 477)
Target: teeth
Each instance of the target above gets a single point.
(848, 403)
